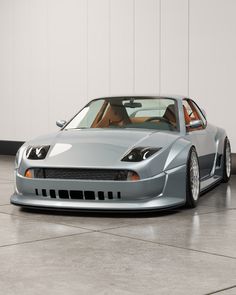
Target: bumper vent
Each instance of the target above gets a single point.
(78, 195)
(78, 173)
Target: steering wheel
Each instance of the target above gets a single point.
(158, 118)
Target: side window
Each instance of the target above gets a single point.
(191, 113)
(200, 115)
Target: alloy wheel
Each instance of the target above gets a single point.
(194, 176)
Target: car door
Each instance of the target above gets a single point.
(202, 137)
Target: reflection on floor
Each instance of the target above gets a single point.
(177, 252)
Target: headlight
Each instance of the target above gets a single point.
(19, 156)
(139, 154)
(37, 152)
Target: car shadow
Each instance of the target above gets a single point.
(103, 214)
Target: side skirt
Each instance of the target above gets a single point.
(209, 183)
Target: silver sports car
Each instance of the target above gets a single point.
(124, 153)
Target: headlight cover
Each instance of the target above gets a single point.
(139, 154)
(37, 152)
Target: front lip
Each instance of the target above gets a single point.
(155, 204)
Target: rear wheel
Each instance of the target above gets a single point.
(193, 179)
(226, 161)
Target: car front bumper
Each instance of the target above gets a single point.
(162, 191)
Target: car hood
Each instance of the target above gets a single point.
(98, 147)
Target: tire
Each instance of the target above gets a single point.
(192, 179)
(226, 161)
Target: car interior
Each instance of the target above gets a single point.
(116, 115)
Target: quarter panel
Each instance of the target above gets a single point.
(205, 144)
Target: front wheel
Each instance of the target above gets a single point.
(193, 179)
(226, 161)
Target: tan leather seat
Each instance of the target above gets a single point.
(186, 116)
(115, 115)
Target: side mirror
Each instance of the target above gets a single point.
(60, 123)
(195, 124)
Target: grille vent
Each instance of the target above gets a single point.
(78, 194)
(78, 173)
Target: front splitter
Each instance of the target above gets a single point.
(158, 203)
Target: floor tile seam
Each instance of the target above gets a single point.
(133, 225)
(45, 239)
(99, 230)
(170, 245)
(66, 224)
(221, 290)
(49, 222)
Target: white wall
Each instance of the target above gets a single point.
(55, 55)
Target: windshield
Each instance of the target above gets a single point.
(128, 112)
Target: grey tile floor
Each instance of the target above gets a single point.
(177, 252)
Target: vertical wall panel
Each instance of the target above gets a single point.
(22, 82)
(98, 48)
(39, 60)
(174, 47)
(6, 100)
(213, 60)
(67, 58)
(147, 37)
(56, 54)
(122, 47)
